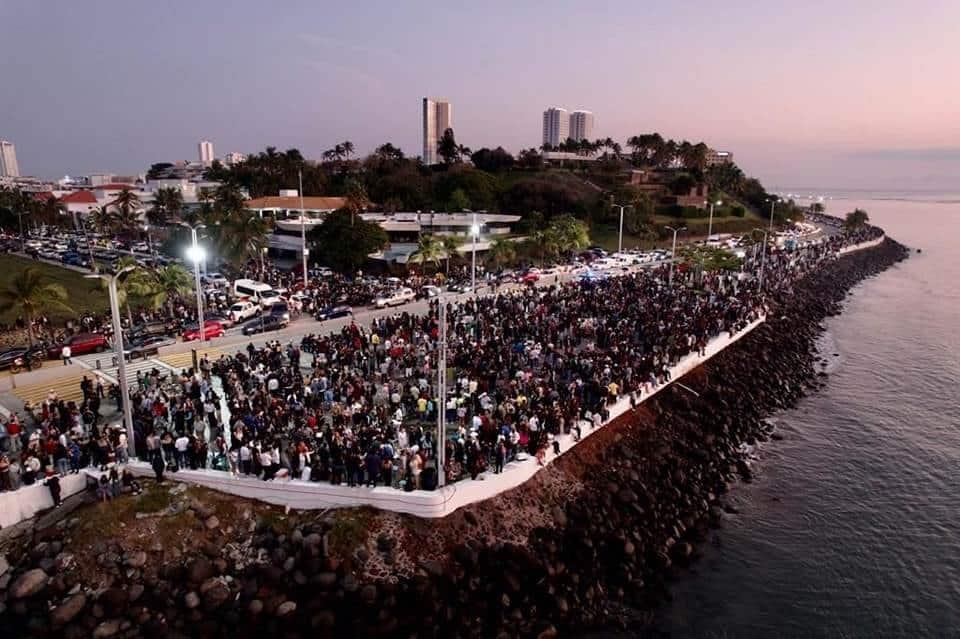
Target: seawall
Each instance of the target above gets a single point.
(596, 533)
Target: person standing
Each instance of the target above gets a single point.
(65, 354)
(53, 483)
(158, 467)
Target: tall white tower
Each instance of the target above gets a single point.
(437, 118)
(556, 125)
(205, 149)
(581, 125)
(8, 160)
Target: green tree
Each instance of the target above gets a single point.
(32, 294)
(448, 149)
(160, 287)
(167, 206)
(856, 219)
(125, 219)
(571, 234)
(544, 243)
(240, 237)
(429, 250)
(503, 252)
(344, 243)
(357, 200)
(458, 201)
(450, 245)
(492, 160)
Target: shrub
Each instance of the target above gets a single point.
(738, 211)
(692, 212)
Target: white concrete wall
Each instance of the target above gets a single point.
(27, 501)
(305, 495)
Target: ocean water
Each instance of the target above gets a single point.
(851, 527)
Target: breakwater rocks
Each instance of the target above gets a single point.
(595, 534)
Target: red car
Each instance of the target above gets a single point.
(530, 277)
(80, 344)
(211, 329)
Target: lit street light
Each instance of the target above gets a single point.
(673, 251)
(474, 233)
(441, 389)
(118, 349)
(620, 240)
(196, 254)
(710, 224)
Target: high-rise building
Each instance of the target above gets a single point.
(556, 126)
(234, 158)
(437, 118)
(581, 125)
(205, 149)
(8, 160)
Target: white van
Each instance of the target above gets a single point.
(258, 292)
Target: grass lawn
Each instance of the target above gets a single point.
(82, 294)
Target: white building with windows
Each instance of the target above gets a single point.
(234, 158)
(8, 160)
(437, 118)
(581, 125)
(556, 126)
(205, 151)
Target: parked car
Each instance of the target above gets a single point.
(265, 323)
(531, 276)
(211, 329)
(242, 311)
(331, 312)
(140, 247)
(18, 357)
(150, 329)
(396, 298)
(279, 309)
(145, 346)
(430, 291)
(80, 344)
(460, 287)
(214, 279)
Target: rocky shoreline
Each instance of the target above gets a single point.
(594, 536)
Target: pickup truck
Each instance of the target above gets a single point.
(242, 311)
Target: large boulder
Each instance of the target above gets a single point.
(69, 609)
(28, 584)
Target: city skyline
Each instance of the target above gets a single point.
(821, 111)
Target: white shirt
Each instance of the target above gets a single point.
(182, 443)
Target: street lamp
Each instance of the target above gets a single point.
(118, 348)
(303, 230)
(763, 257)
(263, 267)
(710, 225)
(441, 389)
(673, 251)
(474, 233)
(196, 254)
(620, 241)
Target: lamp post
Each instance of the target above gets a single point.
(763, 257)
(673, 251)
(263, 266)
(620, 240)
(441, 388)
(710, 225)
(474, 233)
(196, 254)
(118, 349)
(303, 230)
(146, 228)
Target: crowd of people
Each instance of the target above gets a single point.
(359, 406)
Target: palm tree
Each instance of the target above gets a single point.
(127, 217)
(502, 252)
(450, 245)
(545, 242)
(346, 148)
(50, 212)
(101, 219)
(357, 200)
(429, 250)
(239, 237)
(31, 294)
(167, 205)
(162, 286)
